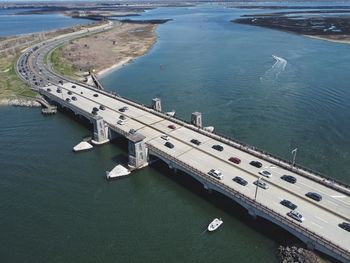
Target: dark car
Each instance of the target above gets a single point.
(122, 117)
(74, 98)
(169, 145)
(95, 95)
(218, 147)
(314, 196)
(172, 126)
(289, 179)
(256, 164)
(59, 91)
(196, 142)
(48, 89)
(69, 92)
(235, 160)
(73, 86)
(61, 82)
(345, 226)
(95, 109)
(132, 131)
(102, 107)
(122, 109)
(68, 99)
(94, 112)
(288, 204)
(240, 180)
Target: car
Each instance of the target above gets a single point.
(61, 82)
(235, 160)
(132, 131)
(74, 98)
(261, 184)
(196, 142)
(95, 95)
(95, 109)
(121, 122)
(69, 92)
(58, 91)
(288, 204)
(102, 107)
(122, 117)
(296, 216)
(68, 99)
(73, 86)
(314, 196)
(240, 180)
(265, 173)
(94, 112)
(169, 145)
(172, 126)
(216, 173)
(218, 147)
(165, 137)
(256, 164)
(289, 178)
(345, 226)
(48, 89)
(123, 109)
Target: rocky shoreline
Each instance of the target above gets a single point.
(20, 102)
(292, 254)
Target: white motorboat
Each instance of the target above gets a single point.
(215, 224)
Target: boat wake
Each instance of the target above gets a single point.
(276, 69)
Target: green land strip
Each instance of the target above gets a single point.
(59, 64)
(10, 84)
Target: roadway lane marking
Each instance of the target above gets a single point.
(338, 196)
(316, 225)
(321, 219)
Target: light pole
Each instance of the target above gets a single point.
(294, 152)
(256, 189)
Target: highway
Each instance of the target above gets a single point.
(321, 217)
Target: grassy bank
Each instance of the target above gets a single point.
(10, 84)
(59, 64)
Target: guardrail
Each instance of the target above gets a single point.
(257, 205)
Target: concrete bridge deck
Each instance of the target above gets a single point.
(320, 228)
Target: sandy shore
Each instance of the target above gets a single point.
(116, 66)
(342, 41)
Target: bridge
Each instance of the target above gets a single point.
(144, 127)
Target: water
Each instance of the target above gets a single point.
(11, 24)
(57, 207)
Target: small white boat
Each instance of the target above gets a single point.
(215, 224)
(209, 128)
(171, 113)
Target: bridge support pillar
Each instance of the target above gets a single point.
(138, 154)
(156, 104)
(100, 131)
(196, 119)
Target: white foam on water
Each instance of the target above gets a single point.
(276, 69)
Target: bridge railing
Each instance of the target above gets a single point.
(255, 204)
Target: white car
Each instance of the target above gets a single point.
(165, 137)
(216, 173)
(265, 173)
(296, 215)
(261, 184)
